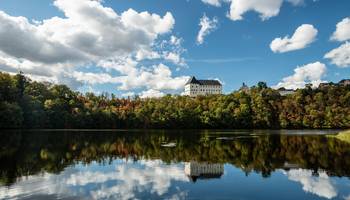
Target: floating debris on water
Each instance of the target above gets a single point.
(170, 144)
(225, 138)
(236, 137)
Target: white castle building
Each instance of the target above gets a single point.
(196, 87)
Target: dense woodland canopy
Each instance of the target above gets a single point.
(29, 104)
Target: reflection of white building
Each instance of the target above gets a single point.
(288, 166)
(195, 170)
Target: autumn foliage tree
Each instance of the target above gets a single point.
(29, 104)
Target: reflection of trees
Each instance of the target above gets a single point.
(30, 153)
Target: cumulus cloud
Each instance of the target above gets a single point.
(266, 9)
(159, 77)
(128, 94)
(206, 27)
(89, 34)
(340, 56)
(175, 40)
(321, 185)
(168, 50)
(216, 3)
(143, 54)
(151, 94)
(310, 73)
(303, 36)
(85, 33)
(296, 2)
(342, 32)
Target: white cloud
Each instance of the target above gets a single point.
(151, 94)
(206, 27)
(168, 50)
(174, 58)
(143, 54)
(151, 23)
(303, 36)
(175, 40)
(321, 185)
(23, 40)
(216, 3)
(296, 2)
(89, 34)
(159, 77)
(94, 78)
(266, 8)
(128, 94)
(340, 56)
(310, 73)
(342, 33)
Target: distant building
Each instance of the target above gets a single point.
(196, 87)
(309, 85)
(285, 92)
(244, 88)
(324, 85)
(344, 82)
(195, 170)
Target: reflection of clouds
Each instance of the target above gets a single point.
(178, 196)
(321, 185)
(45, 184)
(124, 181)
(151, 176)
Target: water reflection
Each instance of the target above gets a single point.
(195, 170)
(320, 184)
(137, 165)
(120, 180)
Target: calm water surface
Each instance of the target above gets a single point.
(173, 165)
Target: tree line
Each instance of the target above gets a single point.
(30, 104)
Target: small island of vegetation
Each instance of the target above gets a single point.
(28, 104)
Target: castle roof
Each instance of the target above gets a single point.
(344, 81)
(193, 80)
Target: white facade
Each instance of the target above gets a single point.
(284, 92)
(195, 170)
(198, 169)
(202, 87)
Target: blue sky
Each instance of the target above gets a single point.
(234, 51)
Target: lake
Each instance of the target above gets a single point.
(123, 164)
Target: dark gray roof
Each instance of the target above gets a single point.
(344, 81)
(284, 89)
(193, 80)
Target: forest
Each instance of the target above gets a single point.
(27, 104)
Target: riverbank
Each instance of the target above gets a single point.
(343, 136)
